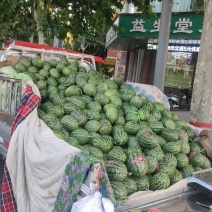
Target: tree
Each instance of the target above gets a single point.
(49, 18)
(201, 107)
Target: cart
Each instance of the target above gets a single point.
(15, 88)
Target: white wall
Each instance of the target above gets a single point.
(178, 6)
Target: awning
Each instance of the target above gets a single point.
(40, 46)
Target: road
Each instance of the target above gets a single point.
(183, 115)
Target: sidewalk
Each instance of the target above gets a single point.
(183, 115)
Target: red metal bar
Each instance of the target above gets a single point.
(201, 124)
(40, 46)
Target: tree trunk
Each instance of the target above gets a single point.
(201, 107)
(37, 14)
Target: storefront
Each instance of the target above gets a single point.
(137, 38)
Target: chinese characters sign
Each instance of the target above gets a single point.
(138, 26)
(183, 25)
(176, 48)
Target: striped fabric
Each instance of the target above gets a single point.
(28, 102)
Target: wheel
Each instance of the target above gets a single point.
(171, 105)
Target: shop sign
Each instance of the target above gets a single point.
(112, 34)
(183, 25)
(176, 48)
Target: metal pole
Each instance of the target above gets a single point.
(163, 41)
(83, 44)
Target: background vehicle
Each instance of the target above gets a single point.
(183, 102)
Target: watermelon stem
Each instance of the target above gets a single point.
(202, 150)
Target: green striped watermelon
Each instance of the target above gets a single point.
(69, 123)
(142, 182)
(81, 135)
(136, 163)
(117, 154)
(130, 185)
(116, 170)
(119, 190)
(159, 181)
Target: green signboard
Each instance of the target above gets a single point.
(183, 25)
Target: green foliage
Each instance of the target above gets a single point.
(200, 3)
(55, 18)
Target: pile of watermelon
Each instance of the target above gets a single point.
(142, 145)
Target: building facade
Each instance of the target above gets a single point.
(136, 42)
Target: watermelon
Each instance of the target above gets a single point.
(57, 110)
(152, 164)
(72, 141)
(120, 137)
(37, 62)
(102, 99)
(103, 143)
(111, 112)
(182, 160)
(136, 163)
(156, 126)
(137, 101)
(199, 160)
(102, 87)
(80, 116)
(89, 89)
(116, 170)
(95, 152)
(94, 106)
(53, 63)
(131, 128)
(53, 72)
(73, 90)
(159, 181)
(147, 139)
(176, 177)
(156, 153)
(170, 159)
(116, 101)
(69, 122)
(130, 185)
(81, 135)
(169, 135)
(133, 143)
(119, 190)
(105, 127)
(166, 168)
(117, 154)
(142, 182)
(187, 171)
(118, 80)
(172, 147)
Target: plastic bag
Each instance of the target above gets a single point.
(93, 203)
(206, 141)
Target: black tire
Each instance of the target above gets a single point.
(171, 105)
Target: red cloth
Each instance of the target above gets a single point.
(201, 124)
(28, 102)
(40, 46)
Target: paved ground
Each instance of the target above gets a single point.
(183, 115)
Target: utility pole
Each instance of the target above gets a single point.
(163, 41)
(201, 105)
